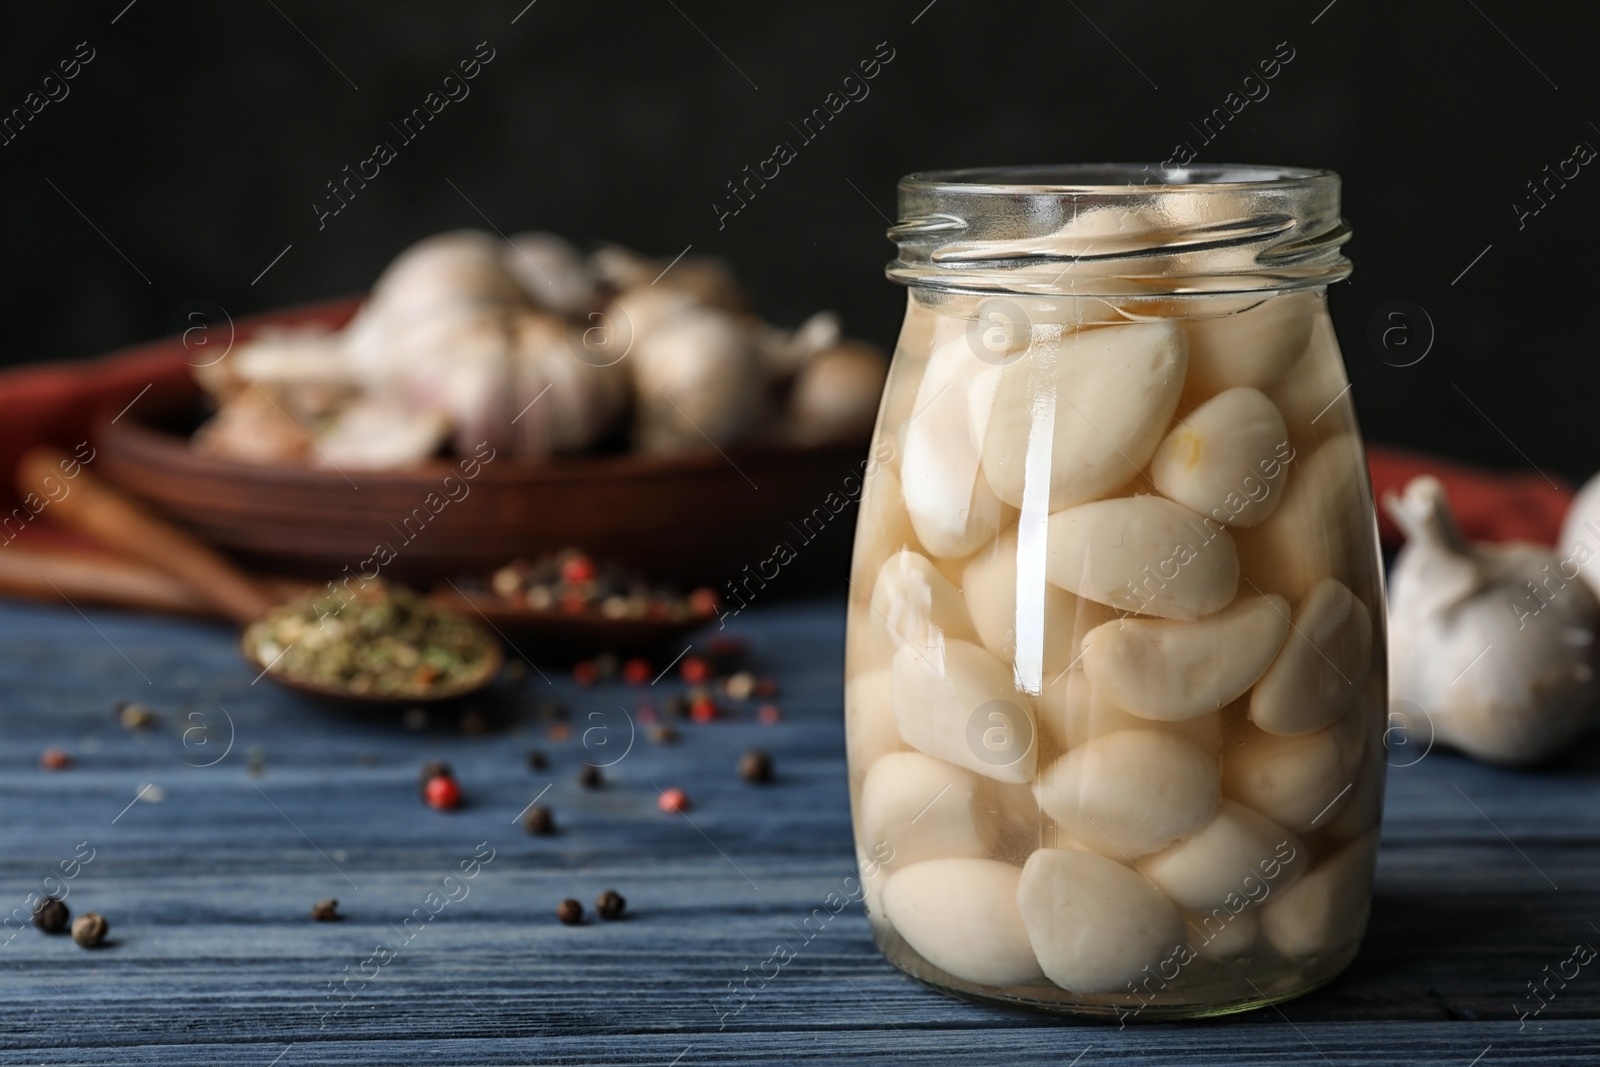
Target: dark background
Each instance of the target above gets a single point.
(200, 135)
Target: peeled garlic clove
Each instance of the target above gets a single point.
(1255, 347)
(1494, 642)
(1131, 792)
(917, 604)
(883, 526)
(870, 731)
(1225, 458)
(1102, 397)
(1223, 935)
(1327, 909)
(959, 704)
(1313, 397)
(1095, 925)
(1316, 528)
(953, 510)
(1237, 861)
(990, 582)
(1143, 554)
(1297, 781)
(1318, 676)
(923, 809)
(1363, 810)
(961, 915)
(1160, 669)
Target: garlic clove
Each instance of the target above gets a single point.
(1130, 792)
(922, 809)
(1496, 643)
(958, 703)
(1223, 935)
(1316, 530)
(870, 730)
(917, 604)
(1327, 909)
(1363, 810)
(883, 526)
(1095, 925)
(952, 508)
(1144, 554)
(990, 582)
(961, 915)
(1074, 713)
(1318, 676)
(1101, 397)
(1236, 862)
(1580, 535)
(1254, 347)
(552, 273)
(1225, 458)
(1297, 781)
(1167, 670)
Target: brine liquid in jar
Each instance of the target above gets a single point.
(1115, 685)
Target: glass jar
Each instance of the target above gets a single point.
(1115, 679)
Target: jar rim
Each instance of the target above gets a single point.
(1120, 229)
(1117, 178)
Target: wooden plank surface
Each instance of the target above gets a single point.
(1487, 877)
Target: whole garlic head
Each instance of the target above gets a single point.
(1495, 643)
(836, 394)
(696, 379)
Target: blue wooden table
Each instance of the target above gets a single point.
(209, 836)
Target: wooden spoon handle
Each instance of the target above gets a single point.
(52, 575)
(86, 503)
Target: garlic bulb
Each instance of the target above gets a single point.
(697, 380)
(553, 274)
(1493, 642)
(836, 394)
(561, 401)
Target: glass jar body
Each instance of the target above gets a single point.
(1115, 681)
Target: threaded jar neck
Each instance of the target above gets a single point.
(1120, 229)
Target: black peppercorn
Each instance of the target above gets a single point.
(537, 761)
(570, 912)
(51, 916)
(431, 770)
(326, 911)
(663, 735)
(89, 929)
(590, 777)
(539, 821)
(756, 766)
(676, 707)
(610, 904)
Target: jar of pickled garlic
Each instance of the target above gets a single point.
(1115, 681)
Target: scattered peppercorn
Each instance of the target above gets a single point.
(673, 800)
(636, 671)
(537, 761)
(326, 911)
(610, 905)
(740, 686)
(607, 664)
(646, 715)
(703, 709)
(539, 822)
(756, 766)
(703, 602)
(553, 710)
(663, 735)
(584, 672)
(51, 916)
(442, 793)
(769, 714)
(432, 769)
(474, 723)
(766, 688)
(134, 716)
(578, 568)
(677, 707)
(570, 912)
(695, 670)
(414, 719)
(54, 759)
(89, 929)
(589, 777)
(558, 731)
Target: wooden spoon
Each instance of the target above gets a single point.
(86, 503)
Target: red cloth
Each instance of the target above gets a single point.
(57, 403)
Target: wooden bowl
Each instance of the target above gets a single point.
(694, 519)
